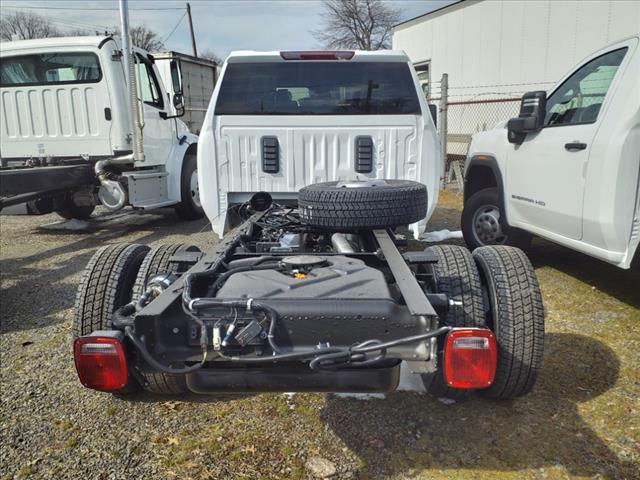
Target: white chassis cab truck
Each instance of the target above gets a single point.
(314, 290)
(279, 121)
(74, 135)
(567, 169)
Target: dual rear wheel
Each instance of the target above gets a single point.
(495, 287)
(116, 275)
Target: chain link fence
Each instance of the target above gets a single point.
(465, 110)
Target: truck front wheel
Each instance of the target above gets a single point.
(70, 209)
(190, 207)
(483, 222)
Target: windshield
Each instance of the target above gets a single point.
(50, 69)
(317, 88)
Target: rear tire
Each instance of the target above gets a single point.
(190, 207)
(516, 317)
(157, 262)
(456, 276)
(106, 285)
(483, 222)
(363, 205)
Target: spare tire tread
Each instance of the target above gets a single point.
(400, 202)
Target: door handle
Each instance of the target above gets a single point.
(575, 146)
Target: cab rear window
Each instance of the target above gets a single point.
(50, 69)
(317, 88)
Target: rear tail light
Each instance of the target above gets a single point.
(101, 362)
(470, 358)
(319, 55)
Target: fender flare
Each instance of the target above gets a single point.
(484, 162)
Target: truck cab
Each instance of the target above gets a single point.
(68, 129)
(567, 169)
(279, 121)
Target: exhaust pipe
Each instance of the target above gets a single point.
(343, 243)
(130, 69)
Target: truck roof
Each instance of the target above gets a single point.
(92, 41)
(246, 56)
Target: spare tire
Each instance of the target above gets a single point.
(363, 204)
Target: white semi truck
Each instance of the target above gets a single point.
(73, 135)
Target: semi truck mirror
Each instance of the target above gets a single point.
(176, 76)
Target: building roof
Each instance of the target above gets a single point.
(432, 13)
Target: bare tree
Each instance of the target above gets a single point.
(143, 37)
(25, 25)
(211, 55)
(360, 24)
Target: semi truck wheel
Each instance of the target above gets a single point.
(457, 276)
(190, 208)
(363, 204)
(516, 317)
(70, 209)
(483, 222)
(106, 284)
(156, 262)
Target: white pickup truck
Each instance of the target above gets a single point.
(279, 121)
(75, 135)
(567, 169)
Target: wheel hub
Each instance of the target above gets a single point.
(486, 225)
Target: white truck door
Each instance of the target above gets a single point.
(546, 174)
(158, 134)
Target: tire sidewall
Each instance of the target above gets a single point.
(187, 208)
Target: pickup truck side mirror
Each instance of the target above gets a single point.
(530, 118)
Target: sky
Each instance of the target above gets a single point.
(220, 25)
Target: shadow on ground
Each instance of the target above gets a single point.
(543, 429)
(616, 282)
(36, 286)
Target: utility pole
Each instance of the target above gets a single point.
(193, 37)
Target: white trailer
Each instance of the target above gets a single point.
(199, 77)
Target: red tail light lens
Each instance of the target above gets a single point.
(319, 55)
(101, 363)
(470, 358)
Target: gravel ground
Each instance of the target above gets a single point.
(581, 421)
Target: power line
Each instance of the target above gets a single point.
(174, 28)
(89, 8)
(67, 23)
